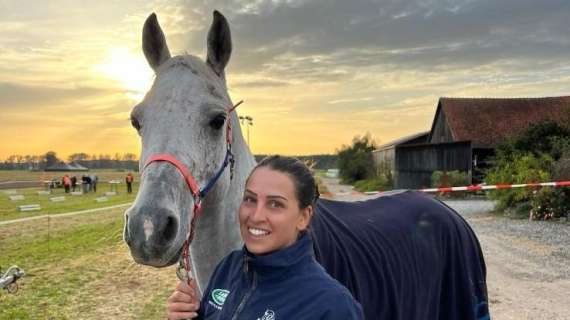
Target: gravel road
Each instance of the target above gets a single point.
(528, 262)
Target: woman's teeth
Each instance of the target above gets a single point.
(257, 232)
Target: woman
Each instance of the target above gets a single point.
(275, 275)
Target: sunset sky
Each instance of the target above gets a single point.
(313, 73)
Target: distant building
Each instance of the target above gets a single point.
(464, 133)
(385, 154)
(62, 166)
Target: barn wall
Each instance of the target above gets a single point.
(384, 160)
(384, 157)
(441, 132)
(415, 164)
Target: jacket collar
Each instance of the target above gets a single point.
(278, 262)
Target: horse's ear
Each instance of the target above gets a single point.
(219, 44)
(154, 44)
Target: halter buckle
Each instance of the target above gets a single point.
(182, 273)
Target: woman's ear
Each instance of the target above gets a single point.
(305, 218)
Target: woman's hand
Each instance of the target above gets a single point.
(184, 302)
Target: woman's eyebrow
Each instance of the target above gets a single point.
(271, 196)
(277, 197)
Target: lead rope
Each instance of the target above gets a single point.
(184, 269)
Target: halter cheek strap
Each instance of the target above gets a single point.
(190, 181)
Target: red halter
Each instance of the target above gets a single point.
(196, 192)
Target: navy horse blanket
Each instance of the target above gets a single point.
(404, 256)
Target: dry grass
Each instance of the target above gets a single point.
(82, 270)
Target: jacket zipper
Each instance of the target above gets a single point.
(248, 294)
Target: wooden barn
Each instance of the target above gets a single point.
(465, 132)
(384, 156)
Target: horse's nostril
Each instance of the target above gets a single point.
(170, 229)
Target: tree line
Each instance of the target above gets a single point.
(317, 161)
(127, 161)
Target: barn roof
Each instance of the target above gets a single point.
(489, 121)
(420, 137)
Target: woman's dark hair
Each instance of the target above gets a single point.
(306, 189)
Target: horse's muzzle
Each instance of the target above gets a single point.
(153, 235)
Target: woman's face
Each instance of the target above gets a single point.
(269, 215)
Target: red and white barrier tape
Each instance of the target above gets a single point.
(498, 186)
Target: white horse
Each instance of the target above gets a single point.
(425, 251)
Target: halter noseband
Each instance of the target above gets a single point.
(197, 193)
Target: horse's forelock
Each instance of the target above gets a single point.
(195, 65)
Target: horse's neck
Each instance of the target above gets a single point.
(217, 229)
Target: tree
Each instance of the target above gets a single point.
(355, 162)
(12, 159)
(129, 157)
(546, 137)
(81, 156)
(51, 158)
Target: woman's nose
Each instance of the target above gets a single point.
(257, 214)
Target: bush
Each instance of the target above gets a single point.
(561, 168)
(450, 179)
(378, 183)
(549, 203)
(519, 211)
(539, 154)
(384, 173)
(542, 138)
(355, 162)
(523, 168)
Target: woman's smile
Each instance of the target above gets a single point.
(258, 233)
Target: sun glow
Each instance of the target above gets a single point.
(130, 70)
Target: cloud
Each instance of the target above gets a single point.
(15, 95)
(329, 40)
(345, 66)
(260, 83)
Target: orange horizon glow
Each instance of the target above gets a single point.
(71, 73)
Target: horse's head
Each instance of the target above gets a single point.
(185, 115)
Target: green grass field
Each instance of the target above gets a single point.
(9, 208)
(78, 267)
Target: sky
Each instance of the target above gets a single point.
(313, 74)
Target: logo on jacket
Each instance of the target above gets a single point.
(219, 296)
(268, 315)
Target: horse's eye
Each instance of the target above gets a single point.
(135, 123)
(218, 121)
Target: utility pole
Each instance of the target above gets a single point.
(248, 121)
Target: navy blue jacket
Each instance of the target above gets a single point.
(287, 284)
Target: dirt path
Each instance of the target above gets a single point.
(527, 277)
(528, 263)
